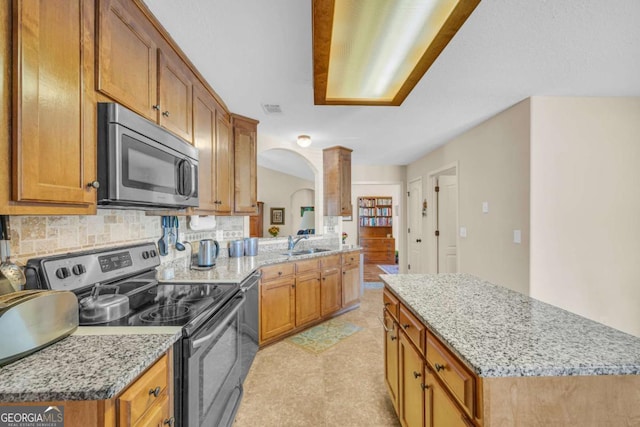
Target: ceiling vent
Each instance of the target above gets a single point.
(272, 108)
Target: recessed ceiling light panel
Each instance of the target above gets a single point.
(374, 52)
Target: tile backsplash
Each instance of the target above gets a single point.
(34, 236)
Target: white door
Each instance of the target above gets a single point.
(415, 226)
(447, 220)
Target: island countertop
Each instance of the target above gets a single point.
(498, 332)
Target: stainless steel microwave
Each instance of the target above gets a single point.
(141, 165)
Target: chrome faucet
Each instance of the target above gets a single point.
(293, 242)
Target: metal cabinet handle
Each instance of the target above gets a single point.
(155, 391)
(440, 367)
(406, 326)
(93, 184)
(156, 107)
(424, 386)
(393, 338)
(384, 325)
(387, 304)
(165, 113)
(416, 374)
(418, 240)
(169, 421)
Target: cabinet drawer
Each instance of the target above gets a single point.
(452, 372)
(307, 265)
(380, 257)
(148, 389)
(411, 326)
(391, 303)
(377, 244)
(330, 261)
(351, 258)
(157, 415)
(278, 270)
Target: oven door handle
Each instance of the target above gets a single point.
(221, 324)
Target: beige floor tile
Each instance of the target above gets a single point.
(342, 386)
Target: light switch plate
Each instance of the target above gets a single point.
(463, 231)
(517, 236)
(485, 207)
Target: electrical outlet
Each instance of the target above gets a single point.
(219, 234)
(463, 231)
(485, 207)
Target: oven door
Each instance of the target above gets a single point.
(212, 386)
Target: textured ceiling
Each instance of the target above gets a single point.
(257, 51)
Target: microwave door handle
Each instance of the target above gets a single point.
(221, 325)
(194, 179)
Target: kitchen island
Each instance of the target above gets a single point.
(495, 357)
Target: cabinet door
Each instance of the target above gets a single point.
(204, 138)
(391, 366)
(245, 164)
(127, 58)
(176, 89)
(345, 183)
(54, 127)
(411, 398)
(307, 298)
(440, 411)
(277, 307)
(350, 286)
(224, 164)
(331, 291)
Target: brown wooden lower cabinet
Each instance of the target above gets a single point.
(147, 401)
(411, 400)
(297, 295)
(307, 298)
(277, 307)
(391, 363)
(439, 409)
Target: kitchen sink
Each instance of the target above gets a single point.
(306, 251)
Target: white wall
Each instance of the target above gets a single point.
(493, 166)
(585, 207)
(279, 190)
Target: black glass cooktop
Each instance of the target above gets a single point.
(169, 304)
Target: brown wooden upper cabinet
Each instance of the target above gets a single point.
(53, 141)
(245, 165)
(337, 181)
(212, 137)
(139, 70)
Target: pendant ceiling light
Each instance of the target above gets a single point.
(374, 52)
(304, 141)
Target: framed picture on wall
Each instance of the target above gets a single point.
(277, 216)
(304, 209)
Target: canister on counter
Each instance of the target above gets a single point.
(236, 248)
(250, 246)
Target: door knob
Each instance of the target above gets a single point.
(93, 184)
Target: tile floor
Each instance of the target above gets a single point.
(342, 386)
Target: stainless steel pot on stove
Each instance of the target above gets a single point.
(98, 308)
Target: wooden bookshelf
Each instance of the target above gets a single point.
(375, 226)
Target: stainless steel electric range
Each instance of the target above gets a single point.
(118, 287)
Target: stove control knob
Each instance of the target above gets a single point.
(145, 255)
(153, 253)
(78, 269)
(62, 273)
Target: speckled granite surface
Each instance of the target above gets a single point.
(235, 270)
(82, 367)
(501, 333)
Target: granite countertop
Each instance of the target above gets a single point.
(235, 270)
(501, 333)
(95, 363)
